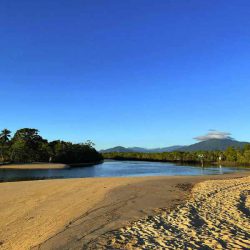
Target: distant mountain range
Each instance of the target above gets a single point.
(209, 145)
(120, 149)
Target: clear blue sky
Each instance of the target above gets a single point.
(132, 73)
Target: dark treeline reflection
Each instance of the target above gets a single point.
(28, 146)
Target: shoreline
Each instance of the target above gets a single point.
(191, 162)
(46, 165)
(75, 212)
(31, 166)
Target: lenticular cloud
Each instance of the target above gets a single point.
(214, 134)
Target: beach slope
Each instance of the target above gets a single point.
(217, 216)
(87, 213)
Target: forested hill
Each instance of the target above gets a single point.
(118, 149)
(213, 144)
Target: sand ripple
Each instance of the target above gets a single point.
(216, 217)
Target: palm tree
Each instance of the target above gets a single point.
(5, 135)
(4, 139)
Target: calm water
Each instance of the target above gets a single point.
(115, 168)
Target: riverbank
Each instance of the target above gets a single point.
(35, 166)
(75, 212)
(44, 165)
(184, 162)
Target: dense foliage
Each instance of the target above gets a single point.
(28, 146)
(231, 155)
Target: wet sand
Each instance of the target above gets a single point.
(87, 213)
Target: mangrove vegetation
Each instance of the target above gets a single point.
(232, 155)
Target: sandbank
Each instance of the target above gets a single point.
(35, 166)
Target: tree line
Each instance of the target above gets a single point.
(231, 156)
(27, 146)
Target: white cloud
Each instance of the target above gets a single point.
(214, 134)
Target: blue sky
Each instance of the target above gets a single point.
(132, 73)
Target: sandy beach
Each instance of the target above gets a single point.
(35, 166)
(217, 216)
(120, 213)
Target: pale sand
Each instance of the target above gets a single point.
(35, 166)
(81, 213)
(216, 217)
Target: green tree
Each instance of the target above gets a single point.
(4, 143)
(231, 154)
(28, 146)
